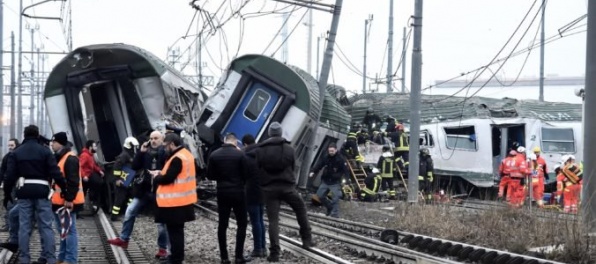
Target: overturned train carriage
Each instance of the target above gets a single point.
(108, 92)
(257, 90)
(468, 138)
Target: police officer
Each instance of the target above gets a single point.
(123, 161)
(32, 166)
(425, 174)
(72, 198)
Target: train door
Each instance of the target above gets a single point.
(253, 111)
(503, 138)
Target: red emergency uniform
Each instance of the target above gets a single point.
(538, 183)
(571, 191)
(518, 170)
(505, 178)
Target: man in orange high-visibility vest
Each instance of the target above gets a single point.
(72, 198)
(176, 193)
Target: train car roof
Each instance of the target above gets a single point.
(142, 63)
(437, 108)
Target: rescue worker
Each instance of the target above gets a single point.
(505, 176)
(569, 184)
(12, 144)
(350, 148)
(537, 183)
(228, 166)
(276, 162)
(36, 166)
(123, 161)
(401, 142)
(254, 198)
(386, 165)
(541, 161)
(372, 184)
(72, 198)
(334, 169)
(518, 171)
(151, 156)
(176, 193)
(425, 175)
(91, 173)
(371, 119)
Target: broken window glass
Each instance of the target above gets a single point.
(256, 105)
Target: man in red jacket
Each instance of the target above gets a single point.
(90, 171)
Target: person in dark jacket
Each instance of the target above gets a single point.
(227, 165)
(425, 174)
(123, 161)
(335, 169)
(276, 162)
(152, 156)
(176, 193)
(12, 144)
(71, 198)
(254, 198)
(30, 169)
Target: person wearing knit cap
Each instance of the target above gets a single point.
(276, 162)
(72, 198)
(36, 166)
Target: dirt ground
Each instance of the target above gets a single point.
(505, 229)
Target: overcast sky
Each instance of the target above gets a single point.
(458, 35)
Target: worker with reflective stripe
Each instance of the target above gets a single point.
(386, 165)
(401, 141)
(541, 161)
(72, 198)
(30, 167)
(537, 182)
(518, 170)
(505, 177)
(123, 160)
(425, 175)
(372, 184)
(176, 194)
(569, 184)
(350, 149)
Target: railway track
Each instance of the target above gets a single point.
(430, 245)
(491, 205)
(93, 233)
(286, 243)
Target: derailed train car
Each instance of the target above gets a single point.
(256, 90)
(468, 138)
(108, 92)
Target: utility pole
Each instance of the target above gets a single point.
(325, 69)
(415, 104)
(44, 117)
(2, 124)
(38, 89)
(369, 19)
(541, 96)
(318, 52)
(390, 50)
(284, 36)
(403, 63)
(20, 76)
(588, 202)
(309, 44)
(13, 115)
(32, 82)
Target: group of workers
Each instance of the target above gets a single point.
(522, 175)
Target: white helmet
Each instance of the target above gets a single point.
(375, 170)
(571, 157)
(557, 166)
(565, 158)
(129, 142)
(521, 149)
(532, 156)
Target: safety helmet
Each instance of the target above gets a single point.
(557, 166)
(375, 170)
(571, 157)
(512, 153)
(565, 158)
(521, 149)
(532, 156)
(129, 142)
(536, 150)
(424, 151)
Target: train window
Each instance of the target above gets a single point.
(461, 138)
(256, 104)
(426, 139)
(559, 140)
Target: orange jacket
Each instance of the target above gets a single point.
(57, 197)
(183, 190)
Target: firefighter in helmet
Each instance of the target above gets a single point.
(386, 164)
(123, 162)
(425, 174)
